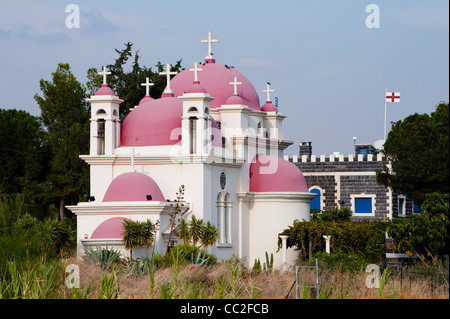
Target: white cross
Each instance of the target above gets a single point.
(168, 74)
(235, 83)
(268, 91)
(147, 85)
(132, 159)
(196, 69)
(104, 73)
(210, 41)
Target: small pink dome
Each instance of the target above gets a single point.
(153, 123)
(215, 79)
(274, 174)
(196, 88)
(234, 99)
(104, 90)
(269, 107)
(110, 228)
(133, 186)
(145, 99)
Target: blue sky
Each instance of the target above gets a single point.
(328, 69)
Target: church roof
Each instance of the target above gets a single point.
(269, 107)
(104, 90)
(215, 79)
(273, 174)
(155, 122)
(133, 186)
(110, 228)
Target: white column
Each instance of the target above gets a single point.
(327, 243)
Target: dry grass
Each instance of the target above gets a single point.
(334, 284)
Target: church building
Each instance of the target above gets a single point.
(209, 132)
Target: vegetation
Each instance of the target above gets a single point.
(425, 234)
(361, 239)
(417, 148)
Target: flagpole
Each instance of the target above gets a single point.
(385, 115)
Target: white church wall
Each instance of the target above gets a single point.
(269, 215)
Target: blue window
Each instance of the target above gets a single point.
(315, 203)
(417, 209)
(363, 205)
(364, 151)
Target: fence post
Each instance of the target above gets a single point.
(317, 279)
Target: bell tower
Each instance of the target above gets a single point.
(105, 122)
(196, 121)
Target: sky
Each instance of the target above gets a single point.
(328, 61)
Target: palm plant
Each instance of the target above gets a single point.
(148, 232)
(131, 235)
(183, 231)
(26, 226)
(209, 235)
(195, 229)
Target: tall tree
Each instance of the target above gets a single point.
(418, 148)
(127, 83)
(24, 155)
(65, 113)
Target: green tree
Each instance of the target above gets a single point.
(27, 227)
(131, 235)
(418, 148)
(195, 229)
(424, 234)
(148, 232)
(209, 235)
(127, 83)
(24, 156)
(65, 113)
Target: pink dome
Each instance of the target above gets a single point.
(215, 79)
(152, 123)
(234, 99)
(104, 90)
(269, 107)
(145, 99)
(133, 186)
(110, 228)
(196, 88)
(274, 174)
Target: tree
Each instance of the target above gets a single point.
(24, 156)
(65, 113)
(209, 235)
(148, 232)
(418, 149)
(131, 235)
(27, 228)
(127, 84)
(176, 210)
(424, 234)
(195, 229)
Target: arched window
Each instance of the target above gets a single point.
(193, 135)
(227, 219)
(219, 206)
(316, 203)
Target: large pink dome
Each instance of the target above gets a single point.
(158, 122)
(152, 123)
(215, 79)
(133, 186)
(274, 174)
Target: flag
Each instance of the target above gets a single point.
(392, 96)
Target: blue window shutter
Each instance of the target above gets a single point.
(315, 203)
(363, 205)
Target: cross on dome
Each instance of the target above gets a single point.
(210, 41)
(147, 85)
(268, 91)
(168, 73)
(196, 69)
(104, 73)
(235, 83)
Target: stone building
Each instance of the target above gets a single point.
(350, 181)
